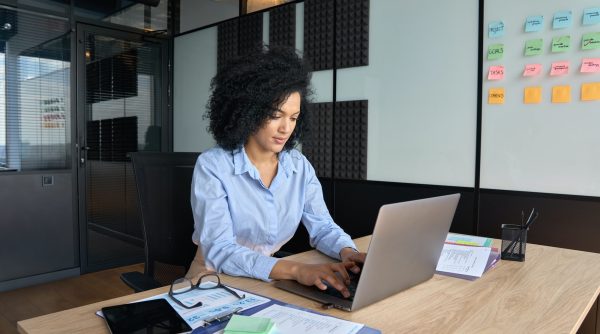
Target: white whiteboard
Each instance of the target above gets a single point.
(544, 147)
(421, 83)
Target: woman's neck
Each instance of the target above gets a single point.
(259, 157)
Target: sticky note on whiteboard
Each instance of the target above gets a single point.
(590, 41)
(496, 73)
(562, 19)
(559, 68)
(590, 65)
(532, 70)
(533, 47)
(561, 43)
(591, 16)
(532, 95)
(496, 29)
(561, 94)
(495, 51)
(534, 23)
(590, 91)
(496, 96)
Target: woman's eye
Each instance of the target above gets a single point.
(294, 119)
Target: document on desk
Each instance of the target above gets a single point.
(463, 260)
(292, 320)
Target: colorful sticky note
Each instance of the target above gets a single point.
(561, 94)
(534, 23)
(532, 95)
(590, 65)
(590, 41)
(533, 47)
(559, 68)
(496, 96)
(562, 19)
(590, 91)
(561, 43)
(532, 70)
(591, 16)
(496, 73)
(496, 29)
(495, 51)
(246, 324)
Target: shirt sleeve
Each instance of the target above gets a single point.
(325, 235)
(215, 233)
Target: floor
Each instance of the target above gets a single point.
(60, 295)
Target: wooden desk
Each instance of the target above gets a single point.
(551, 292)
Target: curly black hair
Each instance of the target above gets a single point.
(249, 89)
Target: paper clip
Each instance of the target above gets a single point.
(219, 317)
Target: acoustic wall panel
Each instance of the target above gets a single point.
(227, 41)
(282, 26)
(350, 140)
(318, 33)
(319, 145)
(251, 33)
(351, 33)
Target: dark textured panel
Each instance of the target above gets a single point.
(352, 33)
(318, 147)
(251, 33)
(318, 33)
(563, 222)
(357, 203)
(227, 42)
(282, 26)
(350, 142)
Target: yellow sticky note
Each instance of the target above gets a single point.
(532, 95)
(496, 96)
(590, 91)
(561, 94)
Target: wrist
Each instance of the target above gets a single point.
(347, 251)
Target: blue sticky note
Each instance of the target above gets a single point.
(562, 19)
(534, 23)
(496, 29)
(591, 16)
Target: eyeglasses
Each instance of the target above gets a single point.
(205, 282)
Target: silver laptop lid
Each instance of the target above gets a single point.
(405, 247)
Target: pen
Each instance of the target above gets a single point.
(223, 315)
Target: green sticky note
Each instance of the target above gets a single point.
(561, 43)
(240, 324)
(533, 47)
(495, 51)
(590, 41)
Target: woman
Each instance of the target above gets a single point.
(250, 192)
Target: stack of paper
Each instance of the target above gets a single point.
(241, 324)
(467, 257)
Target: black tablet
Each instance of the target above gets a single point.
(151, 316)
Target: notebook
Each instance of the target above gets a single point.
(405, 247)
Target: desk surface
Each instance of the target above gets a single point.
(551, 292)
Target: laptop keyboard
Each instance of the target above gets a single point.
(351, 287)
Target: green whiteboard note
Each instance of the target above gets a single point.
(590, 41)
(561, 43)
(495, 51)
(533, 47)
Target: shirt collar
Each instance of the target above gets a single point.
(242, 163)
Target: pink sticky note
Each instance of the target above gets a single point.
(559, 68)
(590, 65)
(532, 70)
(496, 73)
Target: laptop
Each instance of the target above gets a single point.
(405, 247)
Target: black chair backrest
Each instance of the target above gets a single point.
(163, 182)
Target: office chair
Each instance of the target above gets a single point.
(163, 183)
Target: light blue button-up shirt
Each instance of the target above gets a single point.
(239, 222)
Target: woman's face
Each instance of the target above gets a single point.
(276, 131)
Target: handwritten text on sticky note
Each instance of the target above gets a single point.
(591, 16)
(590, 91)
(495, 51)
(590, 41)
(561, 43)
(533, 47)
(562, 19)
(534, 23)
(496, 29)
(590, 65)
(559, 68)
(532, 70)
(496, 96)
(496, 73)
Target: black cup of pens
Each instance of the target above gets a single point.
(514, 238)
(514, 241)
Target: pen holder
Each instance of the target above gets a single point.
(514, 240)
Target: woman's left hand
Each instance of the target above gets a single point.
(351, 255)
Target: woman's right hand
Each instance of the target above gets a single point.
(335, 274)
